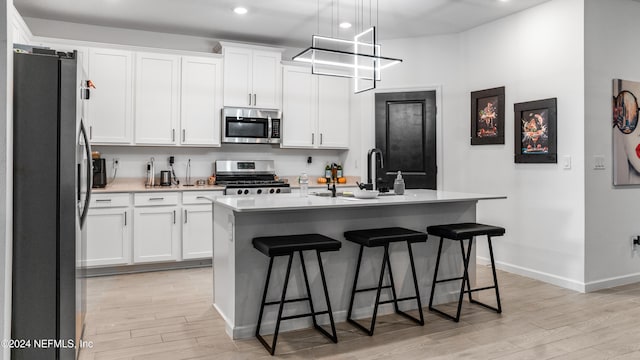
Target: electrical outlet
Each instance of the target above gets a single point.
(116, 163)
(635, 245)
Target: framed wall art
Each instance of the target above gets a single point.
(536, 131)
(487, 116)
(626, 140)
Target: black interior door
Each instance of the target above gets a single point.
(406, 134)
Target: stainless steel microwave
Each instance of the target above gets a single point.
(251, 126)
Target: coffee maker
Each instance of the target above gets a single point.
(99, 173)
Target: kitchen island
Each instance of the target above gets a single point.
(240, 270)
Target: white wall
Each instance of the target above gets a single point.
(6, 173)
(611, 52)
(536, 54)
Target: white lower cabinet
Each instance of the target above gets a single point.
(156, 234)
(146, 227)
(109, 230)
(108, 237)
(197, 232)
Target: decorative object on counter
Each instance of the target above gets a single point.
(461, 232)
(304, 185)
(398, 184)
(165, 178)
(339, 171)
(188, 174)
(365, 194)
(95, 154)
(212, 180)
(487, 116)
(626, 143)
(150, 174)
(359, 58)
(535, 131)
(201, 182)
(174, 178)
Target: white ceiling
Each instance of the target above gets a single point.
(277, 22)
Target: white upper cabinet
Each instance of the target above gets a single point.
(157, 98)
(109, 111)
(201, 101)
(333, 112)
(252, 77)
(299, 110)
(315, 110)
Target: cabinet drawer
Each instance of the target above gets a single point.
(109, 200)
(198, 197)
(155, 199)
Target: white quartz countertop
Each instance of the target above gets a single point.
(284, 202)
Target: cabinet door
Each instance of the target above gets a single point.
(157, 92)
(299, 108)
(197, 232)
(333, 112)
(109, 111)
(156, 234)
(267, 77)
(201, 101)
(237, 77)
(108, 237)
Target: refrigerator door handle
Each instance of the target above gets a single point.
(89, 174)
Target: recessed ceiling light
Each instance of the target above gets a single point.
(240, 10)
(345, 25)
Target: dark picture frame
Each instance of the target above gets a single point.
(535, 130)
(487, 116)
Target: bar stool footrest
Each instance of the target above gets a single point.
(286, 301)
(447, 280)
(373, 288)
(298, 316)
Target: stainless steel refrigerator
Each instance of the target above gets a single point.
(51, 189)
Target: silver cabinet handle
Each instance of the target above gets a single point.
(320, 138)
(184, 135)
(103, 200)
(174, 217)
(173, 134)
(185, 216)
(125, 218)
(249, 99)
(156, 198)
(255, 100)
(90, 132)
(313, 138)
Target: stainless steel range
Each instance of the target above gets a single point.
(255, 177)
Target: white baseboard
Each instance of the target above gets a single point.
(538, 275)
(612, 282)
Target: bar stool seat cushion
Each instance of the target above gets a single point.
(463, 231)
(383, 236)
(284, 245)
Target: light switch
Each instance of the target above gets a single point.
(598, 162)
(566, 162)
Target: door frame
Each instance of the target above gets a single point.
(371, 136)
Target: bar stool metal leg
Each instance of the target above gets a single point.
(395, 299)
(355, 284)
(469, 257)
(334, 336)
(415, 284)
(264, 297)
(495, 277)
(272, 348)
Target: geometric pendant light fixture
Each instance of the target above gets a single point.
(358, 58)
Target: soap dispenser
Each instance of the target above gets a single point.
(398, 184)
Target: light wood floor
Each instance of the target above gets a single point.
(168, 315)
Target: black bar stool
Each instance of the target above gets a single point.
(383, 237)
(461, 232)
(287, 246)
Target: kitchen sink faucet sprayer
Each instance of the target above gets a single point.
(372, 173)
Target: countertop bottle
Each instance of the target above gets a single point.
(327, 171)
(339, 171)
(304, 185)
(398, 184)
